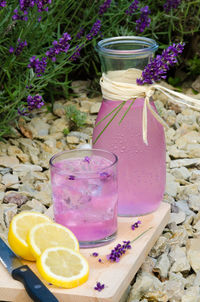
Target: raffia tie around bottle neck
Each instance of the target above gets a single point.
(120, 85)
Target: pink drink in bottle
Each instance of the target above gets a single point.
(141, 167)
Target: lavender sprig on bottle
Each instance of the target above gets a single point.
(157, 69)
(170, 4)
(144, 20)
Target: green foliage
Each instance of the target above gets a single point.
(181, 24)
(194, 65)
(77, 119)
(66, 131)
(174, 81)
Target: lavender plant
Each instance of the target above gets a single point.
(45, 44)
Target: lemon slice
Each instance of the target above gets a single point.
(18, 230)
(63, 267)
(47, 235)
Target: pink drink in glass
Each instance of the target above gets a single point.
(84, 190)
(141, 167)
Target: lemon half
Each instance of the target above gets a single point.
(18, 231)
(63, 267)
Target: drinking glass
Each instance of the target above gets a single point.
(84, 192)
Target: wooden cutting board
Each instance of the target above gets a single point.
(115, 276)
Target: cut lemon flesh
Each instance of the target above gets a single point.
(47, 235)
(18, 231)
(63, 267)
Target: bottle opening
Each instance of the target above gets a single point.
(127, 46)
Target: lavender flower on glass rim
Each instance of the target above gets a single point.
(2, 4)
(34, 102)
(132, 8)
(157, 69)
(103, 8)
(38, 66)
(170, 4)
(94, 30)
(144, 20)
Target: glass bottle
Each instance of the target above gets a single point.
(141, 167)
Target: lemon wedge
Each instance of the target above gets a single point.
(18, 231)
(45, 235)
(63, 267)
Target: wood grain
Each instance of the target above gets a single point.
(115, 276)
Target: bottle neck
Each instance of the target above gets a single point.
(122, 53)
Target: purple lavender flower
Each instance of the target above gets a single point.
(76, 53)
(103, 8)
(144, 20)
(29, 87)
(18, 16)
(170, 4)
(99, 286)
(94, 30)
(59, 46)
(38, 66)
(132, 8)
(19, 48)
(87, 159)
(80, 33)
(135, 225)
(118, 251)
(95, 254)
(157, 69)
(26, 4)
(34, 102)
(22, 112)
(71, 177)
(11, 49)
(42, 5)
(104, 176)
(2, 4)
